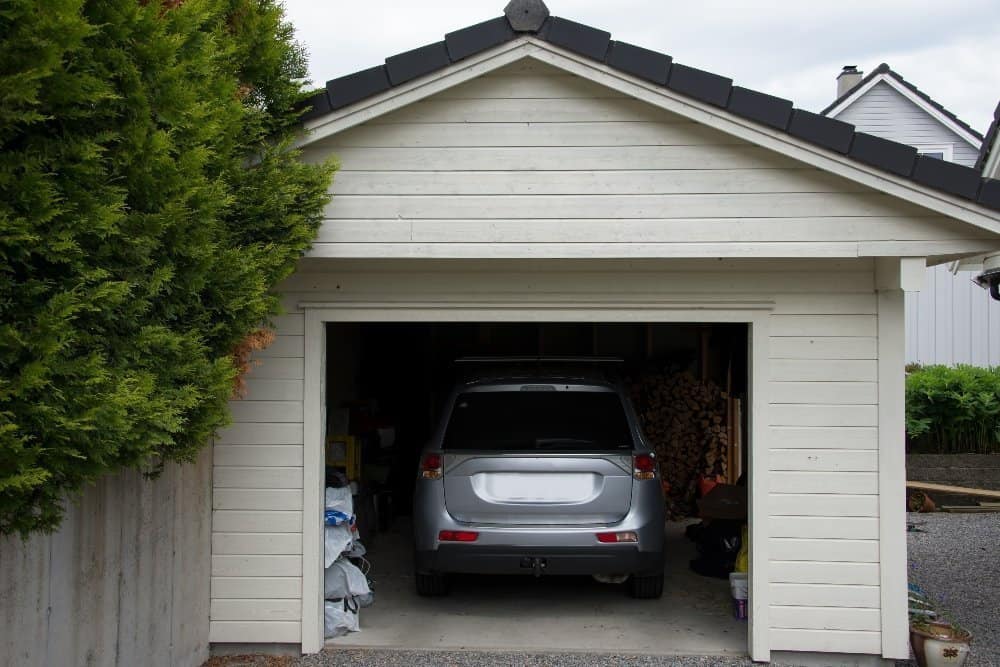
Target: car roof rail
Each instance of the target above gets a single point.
(529, 368)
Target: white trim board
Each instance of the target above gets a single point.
(658, 96)
(891, 81)
(756, 315)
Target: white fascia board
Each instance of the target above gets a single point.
(992, 167)
(663, 98)
(936, 114)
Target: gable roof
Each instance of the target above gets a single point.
(659, 69)
(989, 155)
(885, 73)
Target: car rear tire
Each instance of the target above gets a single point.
(431, 584)
(646, 587)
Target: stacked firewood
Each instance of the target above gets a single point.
(685, 420)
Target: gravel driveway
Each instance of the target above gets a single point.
(956, 560)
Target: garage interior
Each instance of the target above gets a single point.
(385, 388)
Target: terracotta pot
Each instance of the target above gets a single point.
(939, 645)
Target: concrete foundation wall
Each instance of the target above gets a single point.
(123, 582)
(978, 471)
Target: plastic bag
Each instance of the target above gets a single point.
(337, 540)
(339, 499)
(338, 619)
(343, 579)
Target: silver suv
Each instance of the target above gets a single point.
(537, 473)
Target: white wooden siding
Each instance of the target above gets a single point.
(530, 161)
(952, 321)
(884, 112)
(256, 587)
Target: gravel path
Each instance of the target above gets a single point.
(956, 560)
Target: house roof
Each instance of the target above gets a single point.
(991, 144)
(884, 71)
(531, 18)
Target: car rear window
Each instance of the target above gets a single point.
(538, 420)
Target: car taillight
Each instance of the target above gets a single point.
(430, 466)
(615, 538)
(644, 466)
(458, 536)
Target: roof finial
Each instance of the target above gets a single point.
(526, 15)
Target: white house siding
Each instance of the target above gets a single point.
(256, 584)
(952, 321)
(885, 112)
(529, 162)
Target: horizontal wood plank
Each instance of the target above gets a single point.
(824, 460)
(259, 521)
(257, 477)
(824, 347)
(819, 325)
(847, 483)
(811, 370)
(807, 572)
(255, 632)
(257, 412)
(257, 499)
(258, 455)
(276, 368)
(822, 415)
(824, 595)
(266, 389)
(569, 207)
(274, 588)
(845, 437)
(840, 303)
(831, 393)
(609, 182)
(844, 528)
(283, 346)
(827, 550)
(261, 434)
(821, 504)
(262, 609)
(256, 566)
(824, 618)
(828, 641)
(256, 543)
(549, 109)
(289, 324)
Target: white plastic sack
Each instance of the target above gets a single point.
(343, 579)
(339, 499)
(357, 550)
(337, 540)
(338, 621)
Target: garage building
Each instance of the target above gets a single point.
(530, 172)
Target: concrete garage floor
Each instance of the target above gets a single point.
(694, 616)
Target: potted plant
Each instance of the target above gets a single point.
(938, 642)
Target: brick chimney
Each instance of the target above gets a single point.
(849, 77)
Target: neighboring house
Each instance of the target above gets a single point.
(543, 173)
(952, 320)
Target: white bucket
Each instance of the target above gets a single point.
(739, 585)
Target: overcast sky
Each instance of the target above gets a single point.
(790, 48)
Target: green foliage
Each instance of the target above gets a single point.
(149, 201)
(953, 410)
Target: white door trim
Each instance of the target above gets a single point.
(317, 315)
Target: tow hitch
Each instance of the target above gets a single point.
(536, 565)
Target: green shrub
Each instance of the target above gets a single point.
(148, 204)
(953, 410)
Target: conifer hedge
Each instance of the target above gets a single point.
(148, 203)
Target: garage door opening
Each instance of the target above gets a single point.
(386, 385)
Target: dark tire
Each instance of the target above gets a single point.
(431, 585)
(646, 587)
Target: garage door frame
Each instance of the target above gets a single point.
(755, 314)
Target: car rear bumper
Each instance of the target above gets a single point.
(492, 559)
